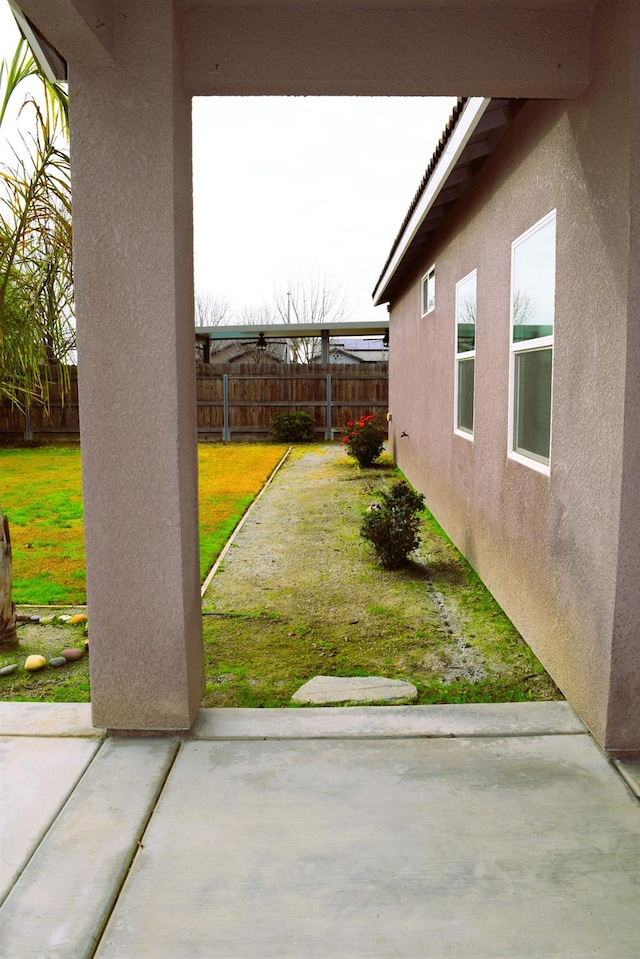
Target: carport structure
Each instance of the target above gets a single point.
(133, 66)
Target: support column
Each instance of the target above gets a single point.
(325, 356)
(131, 169)
(623, 715)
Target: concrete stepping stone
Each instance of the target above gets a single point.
(355, 689)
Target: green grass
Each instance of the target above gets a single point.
(41, 494)
(261, 648)
(364, 620)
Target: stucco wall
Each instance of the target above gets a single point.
(546, 546)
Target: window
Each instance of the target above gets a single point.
(533, 270)
(465, 354)
(429, 291)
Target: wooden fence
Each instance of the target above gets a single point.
(238, 401)
(60, 420)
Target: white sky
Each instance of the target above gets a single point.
(287, 188)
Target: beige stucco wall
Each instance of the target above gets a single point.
(547, 546)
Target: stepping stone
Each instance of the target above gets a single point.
(355, 689)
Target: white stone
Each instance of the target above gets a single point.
(355, 689)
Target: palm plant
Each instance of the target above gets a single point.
(36, 277)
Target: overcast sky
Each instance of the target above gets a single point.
(289, 188)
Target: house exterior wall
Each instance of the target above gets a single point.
(546, 546)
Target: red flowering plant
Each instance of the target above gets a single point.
(364, 440)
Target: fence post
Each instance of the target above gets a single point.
(328, 432)
(28, 431)
(226, 433)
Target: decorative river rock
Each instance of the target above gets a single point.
(58, 661)
(72, 655)
(78, 618)
(34, 662)
(7, 670)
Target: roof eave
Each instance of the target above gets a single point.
(458, 139)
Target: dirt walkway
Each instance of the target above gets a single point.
(300, 594)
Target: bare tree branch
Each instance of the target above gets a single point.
(315, 299)
(211, 310)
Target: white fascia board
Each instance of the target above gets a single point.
(464, 128)
(50, 63)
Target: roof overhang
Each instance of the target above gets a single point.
(470, 137)
(280, 330)
(50, 63)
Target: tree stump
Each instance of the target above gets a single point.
(8, 634)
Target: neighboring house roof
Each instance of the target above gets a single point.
(239, 352)
(474, 129)
(340, 355)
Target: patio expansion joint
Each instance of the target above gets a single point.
(381, 737)
(136, 852)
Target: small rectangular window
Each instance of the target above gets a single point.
(429, 291)
(533, 403)
(533, 268)
(466, 309)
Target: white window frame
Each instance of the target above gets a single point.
(537, 463)
(468, 355)
(424, 291)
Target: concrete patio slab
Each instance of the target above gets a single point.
(60, 903)
(491, 848)
(48, 719)
(371, 722)
(36, 778)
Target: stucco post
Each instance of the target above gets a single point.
(623, 714)
(131, 169)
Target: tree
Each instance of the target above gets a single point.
(316, 299)
(211, 310)
(36, 276)
(37, 332)
(523, 308)
(263, 315)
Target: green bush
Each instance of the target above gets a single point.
(392, 526)
(364, 440)
(293, 427)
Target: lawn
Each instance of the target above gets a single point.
(41, 494)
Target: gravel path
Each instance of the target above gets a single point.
(299, 557)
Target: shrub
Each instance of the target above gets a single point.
(364, 440)
(392, 526)
(294, 427)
